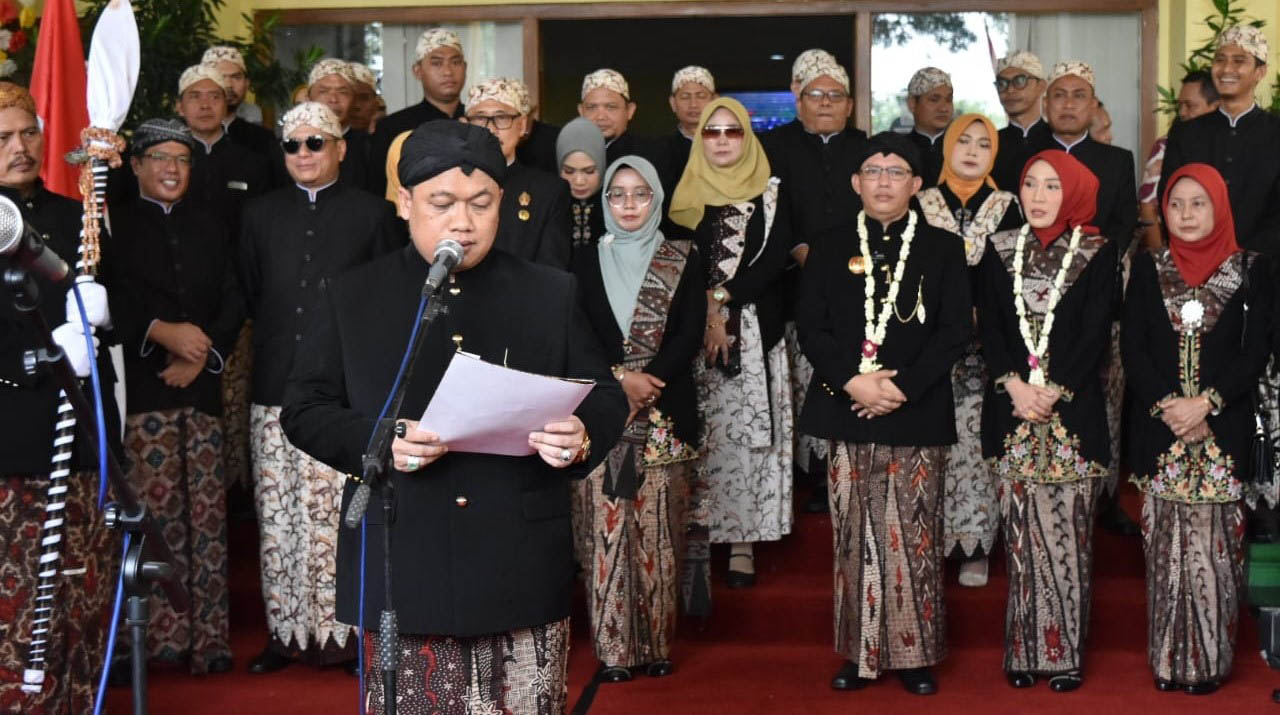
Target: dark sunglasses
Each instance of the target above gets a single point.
(315, 142)
(712, 131)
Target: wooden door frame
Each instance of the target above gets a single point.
(862, 11)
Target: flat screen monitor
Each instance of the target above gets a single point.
(767, 109)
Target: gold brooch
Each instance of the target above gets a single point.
(525, 198)
(857, 265)
(523, 215)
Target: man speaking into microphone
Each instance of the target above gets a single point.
(481, 544)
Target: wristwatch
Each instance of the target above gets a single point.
(720, 295)
(619, 371)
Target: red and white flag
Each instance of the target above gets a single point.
(58, 80)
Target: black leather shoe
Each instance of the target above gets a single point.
(1204, 688)
(1020, 678)
(847, 678)
(739, 579)
(269, 661)
(1166, 686)
(613, 674)
(659, 668)
(221, 664)
(1066, 682)
(918, 681)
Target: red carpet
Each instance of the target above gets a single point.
(768, 650)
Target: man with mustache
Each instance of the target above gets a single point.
(930, 99)
(1240, 140)
(442, 69)
(814, 156)
(1020, 85)
(295, 240)
(77, 633)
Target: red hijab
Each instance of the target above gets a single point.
(1079, 195)
(1197, 260)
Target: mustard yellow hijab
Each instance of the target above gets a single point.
(703, 185)
(964, 189)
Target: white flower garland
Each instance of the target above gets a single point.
(877, 328)
(1038, 346)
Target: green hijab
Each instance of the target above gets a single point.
(625, 255)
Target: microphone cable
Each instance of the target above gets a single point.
(395, 387)
(102, 493)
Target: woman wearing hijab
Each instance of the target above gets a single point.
(1193, 354)
(1045, 321)
(966, 203)
(580, 156)
(644, 298)
(727, 197)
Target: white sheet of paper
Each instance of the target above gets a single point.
(487, 408)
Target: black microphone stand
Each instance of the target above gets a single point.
(376, 464)
(148, 560)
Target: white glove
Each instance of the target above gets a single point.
(70, 338)
(95, 304)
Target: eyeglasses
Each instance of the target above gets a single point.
(896, 174)
(832, 95)
(314, 143)
(711, 131)
(618, 197)
(497, 121)
(162, 158)
(1017, 81)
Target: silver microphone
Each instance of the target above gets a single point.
(447, 257)
(21, 241)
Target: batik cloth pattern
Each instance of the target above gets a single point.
(82, 612)
(809, 453)
(1195, 573)
(745, 480)
(236, 385)
(887, 527)
(636, 548)
(1048, 537)
(175, 463)
(971, 513)
(521, 672)
(299, 507)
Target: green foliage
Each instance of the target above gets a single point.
(272, 82)
(946, 28)
(1226, 14)
(173, 35)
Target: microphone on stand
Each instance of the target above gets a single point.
(22, 241)
(447, 257)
